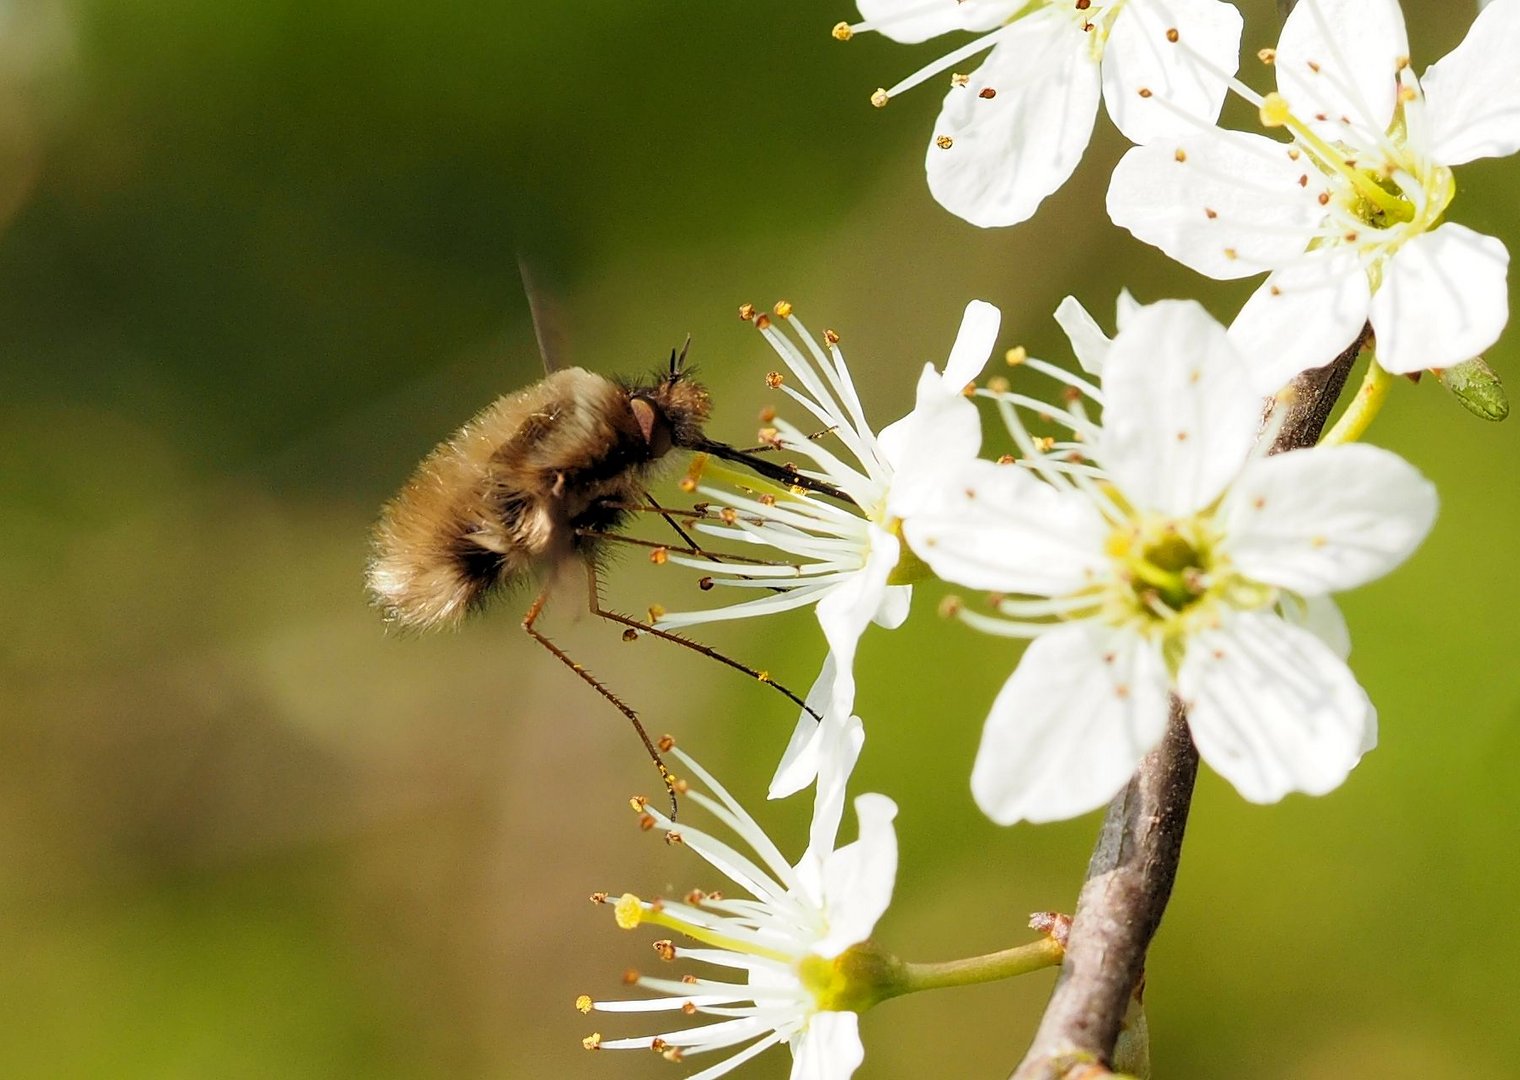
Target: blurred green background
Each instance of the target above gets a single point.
(257, 258)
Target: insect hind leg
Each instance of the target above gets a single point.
(636, 626)
(529, 619)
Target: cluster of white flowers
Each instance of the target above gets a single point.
(1157, 550)
(1152, 552)
(1346, 215)
(1013, 131)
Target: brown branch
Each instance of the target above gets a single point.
(1134, 863)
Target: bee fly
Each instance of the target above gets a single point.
(537, 479)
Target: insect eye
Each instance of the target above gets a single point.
(652, 425)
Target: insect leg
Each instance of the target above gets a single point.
(771, 447)
(594, 600)
(682, 533)
(654, 545)
(654, 754)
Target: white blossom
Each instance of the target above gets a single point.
(1012, 131)
(779, 958)
(844, 557)
(1162, 552)
(1346, 217)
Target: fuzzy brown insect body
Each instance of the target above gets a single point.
(530, 481)
(540, 477)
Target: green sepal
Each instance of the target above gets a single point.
(856, 979)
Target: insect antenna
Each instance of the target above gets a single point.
(678, 360)
(529, 619)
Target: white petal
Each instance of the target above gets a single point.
(1271, 708)
(1369, 738)
(974, 342)
(1472, 97)
(1141, 56)
(799, 762)
(1006, 152)
(913, 20)
(1181, 415)
(1124, 307)
(1340, 59)
(1085, 704)
(1326, 518)
(943, 424)
(840, 739)
(859, 877)
(1303, 316)
(851, 606)
(895, 602)
(1322, 617)
(830, 1048)
(1088, 341)
(997, 527)
(943, 429)
(1444, 299)
(1225, 203)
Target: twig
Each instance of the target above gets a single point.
(1134, 863)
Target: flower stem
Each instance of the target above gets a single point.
(1047, 952)
(1367, 403)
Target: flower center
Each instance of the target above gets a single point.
(1383, 213)
(1381, 194)
(1165, 568)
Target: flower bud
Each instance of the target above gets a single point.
(1476, 387)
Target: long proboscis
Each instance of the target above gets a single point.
(782, 474)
